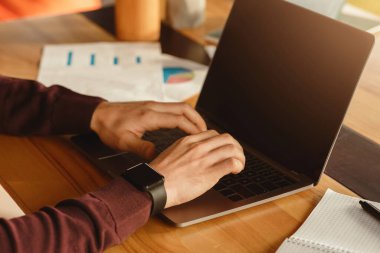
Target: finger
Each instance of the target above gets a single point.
(199, 137)
(182, 109)
(218, 141)
(158, 120)
(132, 143)
(223, 153)
(181, 146)
(225, 167)
(186, 141)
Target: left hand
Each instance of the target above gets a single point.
(121, 125)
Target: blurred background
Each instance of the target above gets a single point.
(363, 14)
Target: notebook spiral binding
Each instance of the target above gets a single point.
(319, 246)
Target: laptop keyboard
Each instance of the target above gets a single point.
(163, 138)
(257, 177)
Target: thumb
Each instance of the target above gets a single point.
(132, 143)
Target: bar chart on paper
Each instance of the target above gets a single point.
(171, 75)
(93, 59)
(121, 71)
(114, 71)
(111, 61)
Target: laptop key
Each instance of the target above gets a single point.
(258, 179)
(244, 181)
(235, 197)
(250, 173)
(269, 186)
(290, 180)
(227, 192)
(242, 190)
(228, 181)
(266, 173)
(274, 178)
(256, 189)
(219, 186)
(237, 176)
(283, 183)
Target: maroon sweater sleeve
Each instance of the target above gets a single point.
(28, 107)
(88, 224)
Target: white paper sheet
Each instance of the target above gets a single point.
(114, 71)
(210, 49)
(8, 207)
(117, 71)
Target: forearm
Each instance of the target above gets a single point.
(28, 107)
(88, 224)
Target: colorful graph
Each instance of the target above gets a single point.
(177, 75)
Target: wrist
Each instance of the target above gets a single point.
(170, 193)
(96, 121)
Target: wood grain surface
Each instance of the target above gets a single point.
(42, 171)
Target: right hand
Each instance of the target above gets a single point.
(195, 163)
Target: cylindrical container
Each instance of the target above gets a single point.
(186, 13)
(138, 20)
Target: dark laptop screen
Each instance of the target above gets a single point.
(282, 79)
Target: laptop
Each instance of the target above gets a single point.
(280, 82)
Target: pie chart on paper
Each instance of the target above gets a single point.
(177, 75)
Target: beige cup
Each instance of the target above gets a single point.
(137, 20)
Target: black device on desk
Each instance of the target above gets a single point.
(280, 82)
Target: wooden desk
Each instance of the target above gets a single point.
(43, 171)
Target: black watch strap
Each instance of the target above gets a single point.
(146, 179)
(158, 195)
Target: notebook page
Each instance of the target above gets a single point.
(8, 207)
(340, 222)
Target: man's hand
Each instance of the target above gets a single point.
(195, 163)
(121, 125)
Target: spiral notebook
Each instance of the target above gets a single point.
(338, 225)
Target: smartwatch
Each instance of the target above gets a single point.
(146, 179)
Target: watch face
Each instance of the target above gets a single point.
(143, 176)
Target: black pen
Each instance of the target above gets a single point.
(371, 209)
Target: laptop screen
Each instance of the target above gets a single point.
(282, 79)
